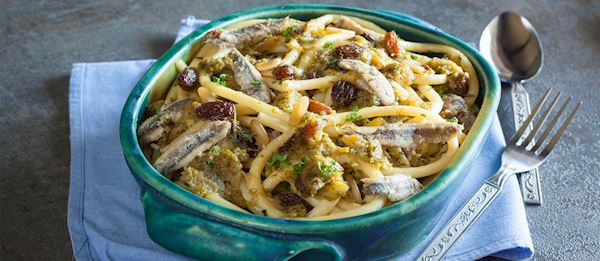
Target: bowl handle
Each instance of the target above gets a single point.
(410, 18)
(184, 231)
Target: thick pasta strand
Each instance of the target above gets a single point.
(347, 205)
(430, 79)
(273, 122)
(260, 134)
(392, 110)
(368, 170)
(354, 190)
(253, 181)
(268, 65)
(313, 84)
(241, 110)
(323, 208)
(434, 98)
(206, 95)
(412, 95)
(180, 65)
(331, 38)
(299, 110)
(368, 207)
(223, 202)
(291, 57)
(400, 92)
(273, 180)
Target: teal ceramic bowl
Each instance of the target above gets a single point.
(190, 225)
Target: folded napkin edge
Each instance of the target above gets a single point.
(82, 64)
(76, 193)
(510, 243)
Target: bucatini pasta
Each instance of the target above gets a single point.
(316, 120)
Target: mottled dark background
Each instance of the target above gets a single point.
(39, 40)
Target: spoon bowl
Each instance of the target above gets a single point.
(512, 45)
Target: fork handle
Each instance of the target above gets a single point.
(461, 221)
(530, 181)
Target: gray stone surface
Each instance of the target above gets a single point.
(39, 40)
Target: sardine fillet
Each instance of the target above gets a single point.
(198, 138)
(372, 80)
(396, 187)
(248, 77)
(152, 128)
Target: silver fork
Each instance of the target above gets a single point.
(520, 155)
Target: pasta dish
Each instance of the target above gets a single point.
(321, 119)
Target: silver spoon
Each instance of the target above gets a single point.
(513, 47)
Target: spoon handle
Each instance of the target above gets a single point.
(530, 181)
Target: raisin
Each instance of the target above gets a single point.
(343, 93)
(284, 72)
(188, 79)
(289, 199)
(217, 110)
(347, 51)
(319, 108)
(391, 43)
(459, 82)
(368, 37)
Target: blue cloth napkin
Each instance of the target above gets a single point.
(105, 215)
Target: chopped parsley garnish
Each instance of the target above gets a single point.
(328, 45)
(372, 48)
(210, 163)
(246, 134)
(327, 169)
(278, 160)
(453, 120)
(442, 89)
(423, 115)
(297, 168)
(412, 56)
(220, 80)
(288, 31)
(255, 84)
(400, 154)
(215, 150)
(353, 116)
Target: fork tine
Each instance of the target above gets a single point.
(540, 121)
(525, 124)
(560, 131)
(539, 142)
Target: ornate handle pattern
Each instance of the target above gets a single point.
(460, 222)
(530, 181)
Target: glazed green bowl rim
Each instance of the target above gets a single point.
(138, 99)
